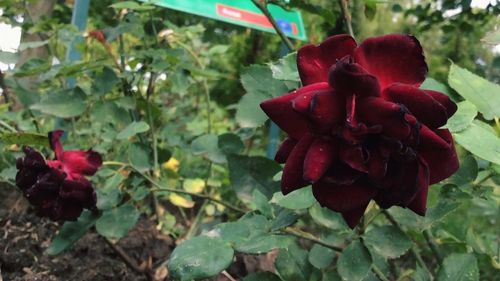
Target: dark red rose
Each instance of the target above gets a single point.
(361, 129)
(58, 188)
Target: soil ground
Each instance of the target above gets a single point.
(24, 238)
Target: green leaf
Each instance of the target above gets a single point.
(327, 217)
(110, 195)
(302, 198)
(252, 172)
(477, 90)
(230, 143)
(388, 241)
(286, 68)
(321, 257)
(8, 57)
(70, 232)
(421, 274)
(260, 85)
(459, 267)
(467, 172)
(25, 139)
(133, 129)
(434, 215)
(292, 264)
(262, 276)
(132, 5)
(31, 45)
(208, 145)
(261, 202)
(105, 81)
(355, 262)
(139, 155)
(463, 117)
(261, 244)
(283, 219)
(64, 104)
(115, 223)
(32, 67)
(480, 142)
(199, 257)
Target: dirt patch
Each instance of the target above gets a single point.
(24, 238)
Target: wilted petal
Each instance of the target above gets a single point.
(314, 62)
(55, 143)
(82, 162)
(79, 190)
(292, 177)
(393, 58)
(421, 105)
(318, 159)
(343, 198)
(442, 162)
(284, 150)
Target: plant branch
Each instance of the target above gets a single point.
(344, 6)
(379, 273)
(412, 249)
(310, 237)
(434, 247)
(124, 256)
(262, 5)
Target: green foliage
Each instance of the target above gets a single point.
(355, 262)
(115, 223)
(212, 256)
(70, 232)
(459, 267)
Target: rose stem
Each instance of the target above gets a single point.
(344, 5)
(262, 5)
(412, 249)
(432, 244)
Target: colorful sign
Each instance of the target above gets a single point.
(241, 12)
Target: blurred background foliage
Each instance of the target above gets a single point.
(141, 98)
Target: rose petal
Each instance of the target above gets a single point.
(284, 150)
(314, 62)
(444, 100)
(377, 111)
(419, 203)
(349, 78)
(318, 159)
(281, 112)
(79, 190)
(404, 180)
(393, 58)
(341, 174)
(292, 177)
(430, 139)
(442, 162)
(377, 165)
(421, 105)
(327, 110)
(343, 198)
(82, 162)
(352, 217)
(353, 156)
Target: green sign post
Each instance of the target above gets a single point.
(240, 12)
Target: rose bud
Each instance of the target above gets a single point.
(58, 188)
(360, 128)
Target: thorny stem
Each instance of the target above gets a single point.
(262, 5)
(434, 247)
(412, 249)
(344, 5)
(160, 188)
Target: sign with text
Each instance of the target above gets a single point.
(241, 12)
